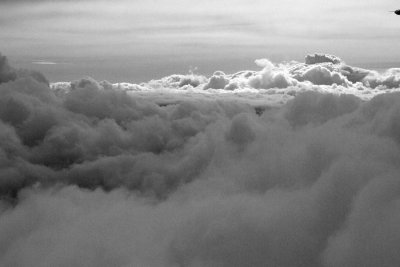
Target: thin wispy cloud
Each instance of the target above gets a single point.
(44, 62)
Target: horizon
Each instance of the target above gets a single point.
(68, 69)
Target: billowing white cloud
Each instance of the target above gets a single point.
(274, 83)
(292, 165)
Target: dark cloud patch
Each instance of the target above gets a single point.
(6, 72)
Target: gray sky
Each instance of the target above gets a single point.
(156, 37)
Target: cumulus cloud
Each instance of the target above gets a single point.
(196, 171)
(217, 81)
(388, 79)
(270, 77)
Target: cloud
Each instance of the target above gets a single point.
(376, 204)
(388, 79)
(322, 58)
(270, 77)
(217, 81)
(292, 165)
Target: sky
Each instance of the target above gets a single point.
(130, 40)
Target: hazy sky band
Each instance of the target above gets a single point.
(280, 30)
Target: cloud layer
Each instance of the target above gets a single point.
(278, 167)
(274, 83)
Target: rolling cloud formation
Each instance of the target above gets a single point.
(293, 165)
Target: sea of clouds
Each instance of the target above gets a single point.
(296, 164)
